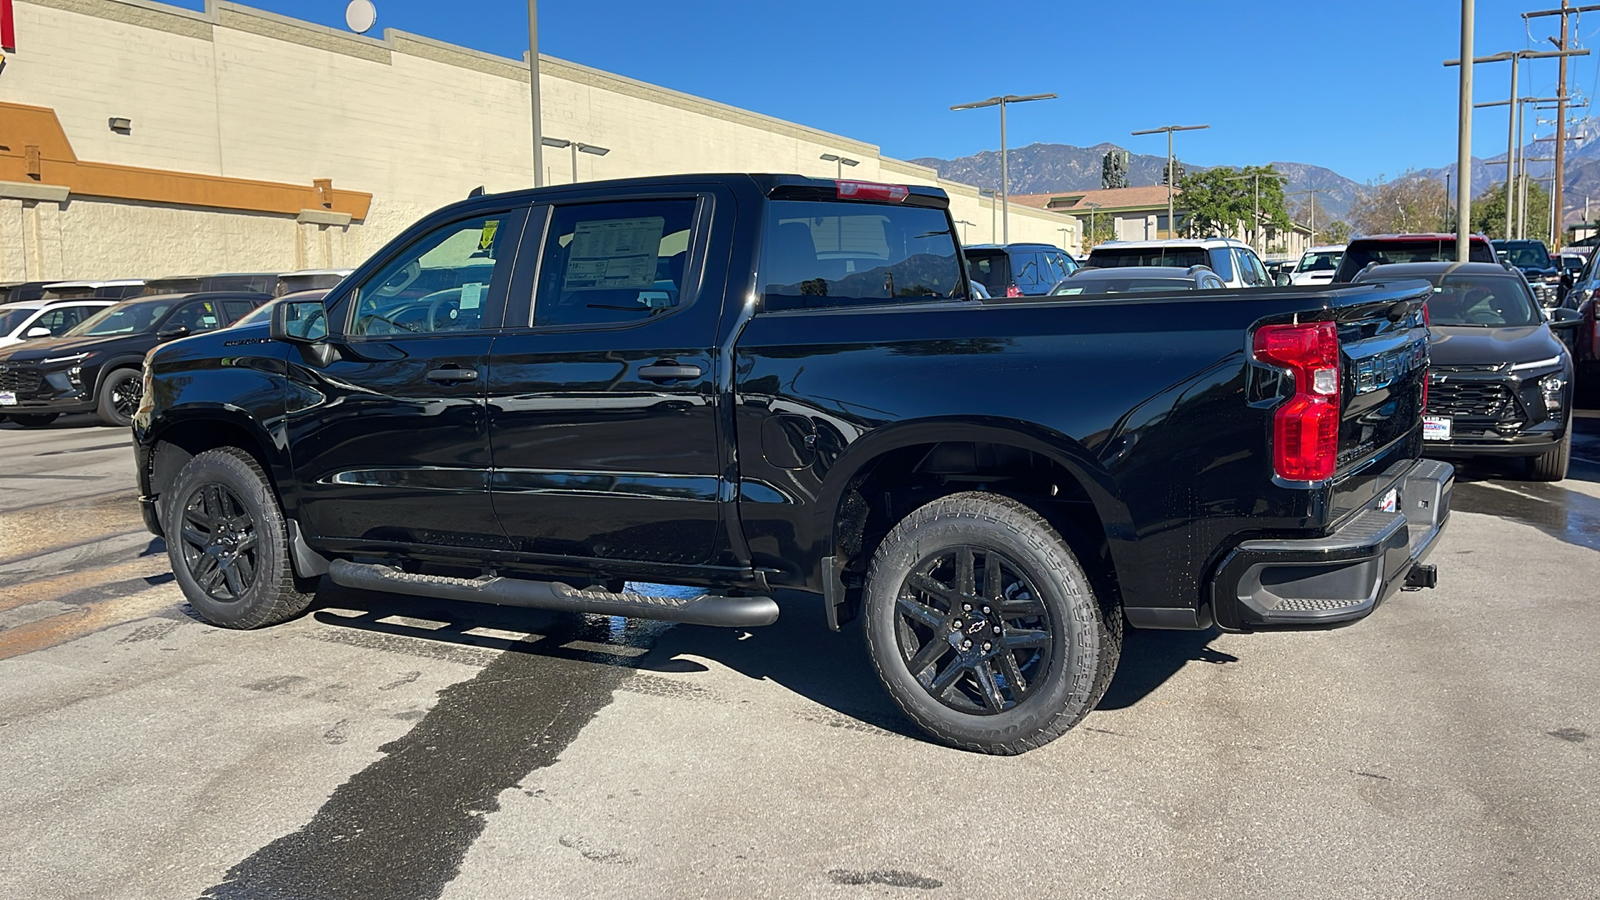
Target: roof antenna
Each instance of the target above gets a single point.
(476, 192)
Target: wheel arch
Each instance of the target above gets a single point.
(884, 475)
(183, 435)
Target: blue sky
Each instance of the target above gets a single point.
(1356, 86)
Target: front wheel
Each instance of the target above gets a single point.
(1552, 465)
(228, 542)
(983, 626)
(120, 395)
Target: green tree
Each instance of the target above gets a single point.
(1335, 232)
(1407, 205)
(1104, 229)
(1223, 201)
(1489, 211)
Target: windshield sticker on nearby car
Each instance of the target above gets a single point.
(614, 253)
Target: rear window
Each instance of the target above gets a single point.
(1486, 300)
(990, 268)
(1361, 254)
(1122, 286)
(821, 254)
(1119, 257)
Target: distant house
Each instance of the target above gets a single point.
(1136, 213)
(1140, 214)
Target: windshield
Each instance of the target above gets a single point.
(1527, 256)
(1122, 286)
(1389, 252)
(124, 318)
(12, 319)
(1319, 262)
(1483, 300)
(1122, 257)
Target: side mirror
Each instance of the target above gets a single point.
(172, 334)
(299, 322)
(1282, 280)
(38, 331)
(1561, 317)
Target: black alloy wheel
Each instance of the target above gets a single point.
(120, 397)
(975, 650)
(220, 542)
(984, 627)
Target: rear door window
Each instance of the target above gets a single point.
(614, 263)
(1030, 268)
(822, 254)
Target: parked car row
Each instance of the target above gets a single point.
(74, 351)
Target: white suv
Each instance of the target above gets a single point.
(29, 319)
(1233, 261)
(1318, 265)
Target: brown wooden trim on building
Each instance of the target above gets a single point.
(34, 147)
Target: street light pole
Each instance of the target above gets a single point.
(1311, 199)
(1172, 174)
(1005, 180)
(1090, 243)
(533, 92)
(964, 225)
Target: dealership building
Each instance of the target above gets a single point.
(140, 140)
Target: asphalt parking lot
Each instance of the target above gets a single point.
(380, 747)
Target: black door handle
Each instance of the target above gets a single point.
(451, 374)
(669, 371)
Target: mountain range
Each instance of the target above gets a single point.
(1048, 168)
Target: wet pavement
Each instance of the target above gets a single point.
(387, 747)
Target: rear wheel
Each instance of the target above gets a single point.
(983, 626)
(34, 420)
(1552, 466)
(120, 395)
(228, 542)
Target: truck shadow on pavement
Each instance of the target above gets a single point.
(798, 652)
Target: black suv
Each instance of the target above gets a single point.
(1499, 381)
(1018, 270)
(1533, 260)
(95, 366)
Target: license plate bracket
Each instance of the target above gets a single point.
(8, 398)
(1436, 428)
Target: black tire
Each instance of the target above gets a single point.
(229, 543)
(33, 420)
(1044, 616)
(1552, 466)
(120, 393)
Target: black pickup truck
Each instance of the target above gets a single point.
(781, 390)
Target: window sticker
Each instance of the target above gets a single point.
(471, 296)
(486, 240)
(614, 253)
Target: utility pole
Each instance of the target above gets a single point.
(1463, 139)
(1255, 225)
(1091, 241)
(1447, 201)
(1566, 11)
(1172, 173)
(993, 237)
(1312, 200)
(1513, 142)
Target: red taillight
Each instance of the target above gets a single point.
(1425, 379)
(869, 190)
(1305, 432)
(1426, 322)
(1013, 291)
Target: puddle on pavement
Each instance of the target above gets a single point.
(41, 529)
(1551, 508)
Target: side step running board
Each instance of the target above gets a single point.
(707, 609)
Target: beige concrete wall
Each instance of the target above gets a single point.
(242, 93)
